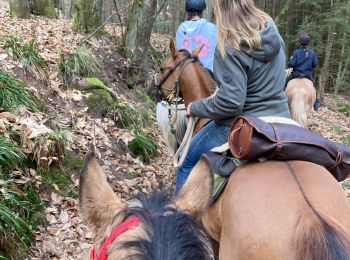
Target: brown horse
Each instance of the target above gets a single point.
(150, 228)
(301, 95)
(268, 210)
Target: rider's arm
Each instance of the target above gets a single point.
(293, 60)
(231, 95)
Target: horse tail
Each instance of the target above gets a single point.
(317, 237)
(298, 109)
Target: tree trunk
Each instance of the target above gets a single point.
(67, 8)
(20, 8)
(139, 29)
(45, 8)
(88, 16)
(326, 64)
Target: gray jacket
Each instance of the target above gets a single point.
(250, 82)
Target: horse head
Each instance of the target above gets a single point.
(148, 228)
(181, 75)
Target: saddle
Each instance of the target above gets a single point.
(253, 139)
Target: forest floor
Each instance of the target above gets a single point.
(63, 235)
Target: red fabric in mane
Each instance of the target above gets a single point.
(123, 227)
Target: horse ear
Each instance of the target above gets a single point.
(195, 195)
(172, 47)
(198, 50)
(97, 201)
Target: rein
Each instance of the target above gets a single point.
(119, 230)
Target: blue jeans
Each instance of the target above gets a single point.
(210, 136)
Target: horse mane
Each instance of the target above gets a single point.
(206, 76)
(170, 234)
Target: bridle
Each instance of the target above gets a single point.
(128, 224)
(175, 91)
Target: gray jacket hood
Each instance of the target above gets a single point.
(271, 43)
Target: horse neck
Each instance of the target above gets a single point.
(195, 83)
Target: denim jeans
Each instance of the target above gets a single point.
(210, 136)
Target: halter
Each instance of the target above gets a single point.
(119, 230)
(175, 91)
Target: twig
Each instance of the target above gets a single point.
(119, 18)
(87, 38)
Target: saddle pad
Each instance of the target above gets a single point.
(222, 167)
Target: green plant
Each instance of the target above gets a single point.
(20, 211)
(346, 184)
(82, 62)
(144, 146)
(133, 117)
(28, 54)
(337, 129)
(346, 139)
(14, 44)
(49, 146)
(60, 175)
(13, 93)
(344, 109)
(33, 60)
(10, 154)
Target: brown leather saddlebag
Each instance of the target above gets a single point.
(251, 138)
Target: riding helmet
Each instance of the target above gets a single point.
(304, 39)
(195, 5)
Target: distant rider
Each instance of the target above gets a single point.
(303, 62)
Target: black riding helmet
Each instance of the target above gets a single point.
(195, 5)
(304, 39)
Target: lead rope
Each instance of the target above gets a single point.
(185, 144)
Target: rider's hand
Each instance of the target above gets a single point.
(188, 111)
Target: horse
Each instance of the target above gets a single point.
(268, 210)
(301, 95)
(148, 228)
(172, 125)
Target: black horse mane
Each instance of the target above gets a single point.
(173, 235)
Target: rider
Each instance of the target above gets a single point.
(249, 69)
(303, 62)
(191, 34)
(197, 31)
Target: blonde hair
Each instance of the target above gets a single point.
(238, 21)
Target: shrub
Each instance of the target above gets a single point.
(81, 63)
(28, 54)
(144, 146)
(13, 93)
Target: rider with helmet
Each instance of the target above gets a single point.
(249, 69)
(303, 62)
(197, 31)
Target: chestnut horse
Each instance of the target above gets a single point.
(150, 228)
(268, 210)
(301, 95)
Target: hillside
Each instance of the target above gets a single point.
(63, 235)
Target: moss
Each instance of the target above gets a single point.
(61, 176)
(87, 18)
(95, 82)
(20, 9)
(100, 101)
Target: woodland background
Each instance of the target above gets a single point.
(72, 78)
